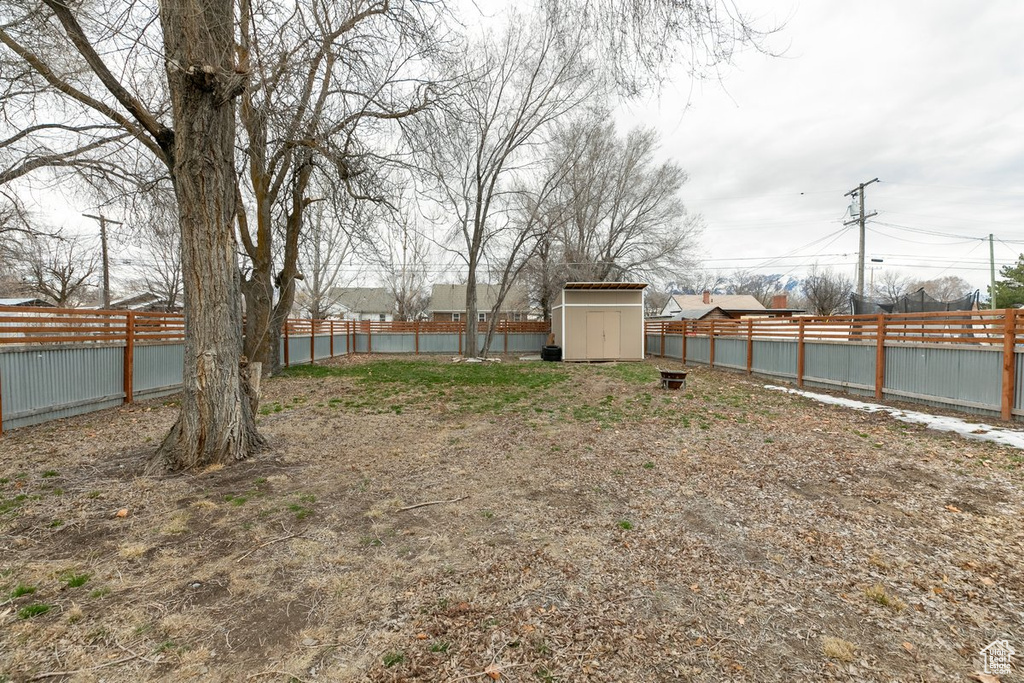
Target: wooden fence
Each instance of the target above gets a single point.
(999, 330)
(51, 351)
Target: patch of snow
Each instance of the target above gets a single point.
(970, 430)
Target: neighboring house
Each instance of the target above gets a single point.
(362, 303)
(448, 303)
(146, 301)
(28, 302)
(708, 306)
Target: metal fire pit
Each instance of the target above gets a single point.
(673, 379)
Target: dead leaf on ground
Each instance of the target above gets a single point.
(493, 670)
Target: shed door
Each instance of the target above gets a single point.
(602, 335)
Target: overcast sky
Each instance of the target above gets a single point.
(926, 96)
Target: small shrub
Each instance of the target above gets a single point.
(21, 589)
(440, 646)
(625, 524)
(76, 580)
(837, 648)
(392, 658)
(35, 610)
(877, 593)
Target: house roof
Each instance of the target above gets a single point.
(364, 299)
(727, 302)
(452, 298)
(136, 301)
(605, 285)
(26, 301)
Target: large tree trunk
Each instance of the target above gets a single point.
(262, 344)
(216, 422)
(469, 349)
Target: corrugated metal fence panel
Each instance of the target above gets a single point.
(1018, 389)
(523, 343)
(439, 343)
(394, 343)
(851, 366)
(731, 353)
(697, 350)
(298, 349)
(157, 368)
(966, 377)
(323, 347)
(653, 344)
(340, 344)
(674, 346)
(775, 358)
(45, 384)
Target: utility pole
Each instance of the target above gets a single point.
(858, 193)
(991, 272)
(103, 246)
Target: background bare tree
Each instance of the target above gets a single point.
(523, 79)
(945, 288)
(636, 41)
(760, 286)
(327, 77)
(399, 251)
(59, 269)
(827, 292)
(889, 286)
(333, 222)
(624, 215)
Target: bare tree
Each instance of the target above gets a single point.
(827, 292)
(58, 269)
(192, 43)
(890, 285)
(761, 287)
(398, 249)
(333, 223)
(698, 280)
(636, 41)
(945, 288)
(325, 77)
(624, 215)
(523, 80)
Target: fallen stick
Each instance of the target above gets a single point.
(54, 674)
(433, 502)
(264, 545)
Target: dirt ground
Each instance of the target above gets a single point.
(595, 528)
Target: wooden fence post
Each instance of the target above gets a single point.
(332, 337)
(662, 339)
(800, 355)
(684, 343)
(506, 340)
(880, 357)
(369, 336)
(711, 346)
(461, 327)
(129, 356)
(312, 341)
(750, 345)
(1009, 361)
(286, 342)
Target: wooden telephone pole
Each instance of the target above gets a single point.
(103, 246)
(858, 193)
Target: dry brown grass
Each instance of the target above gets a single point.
(756, 520)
